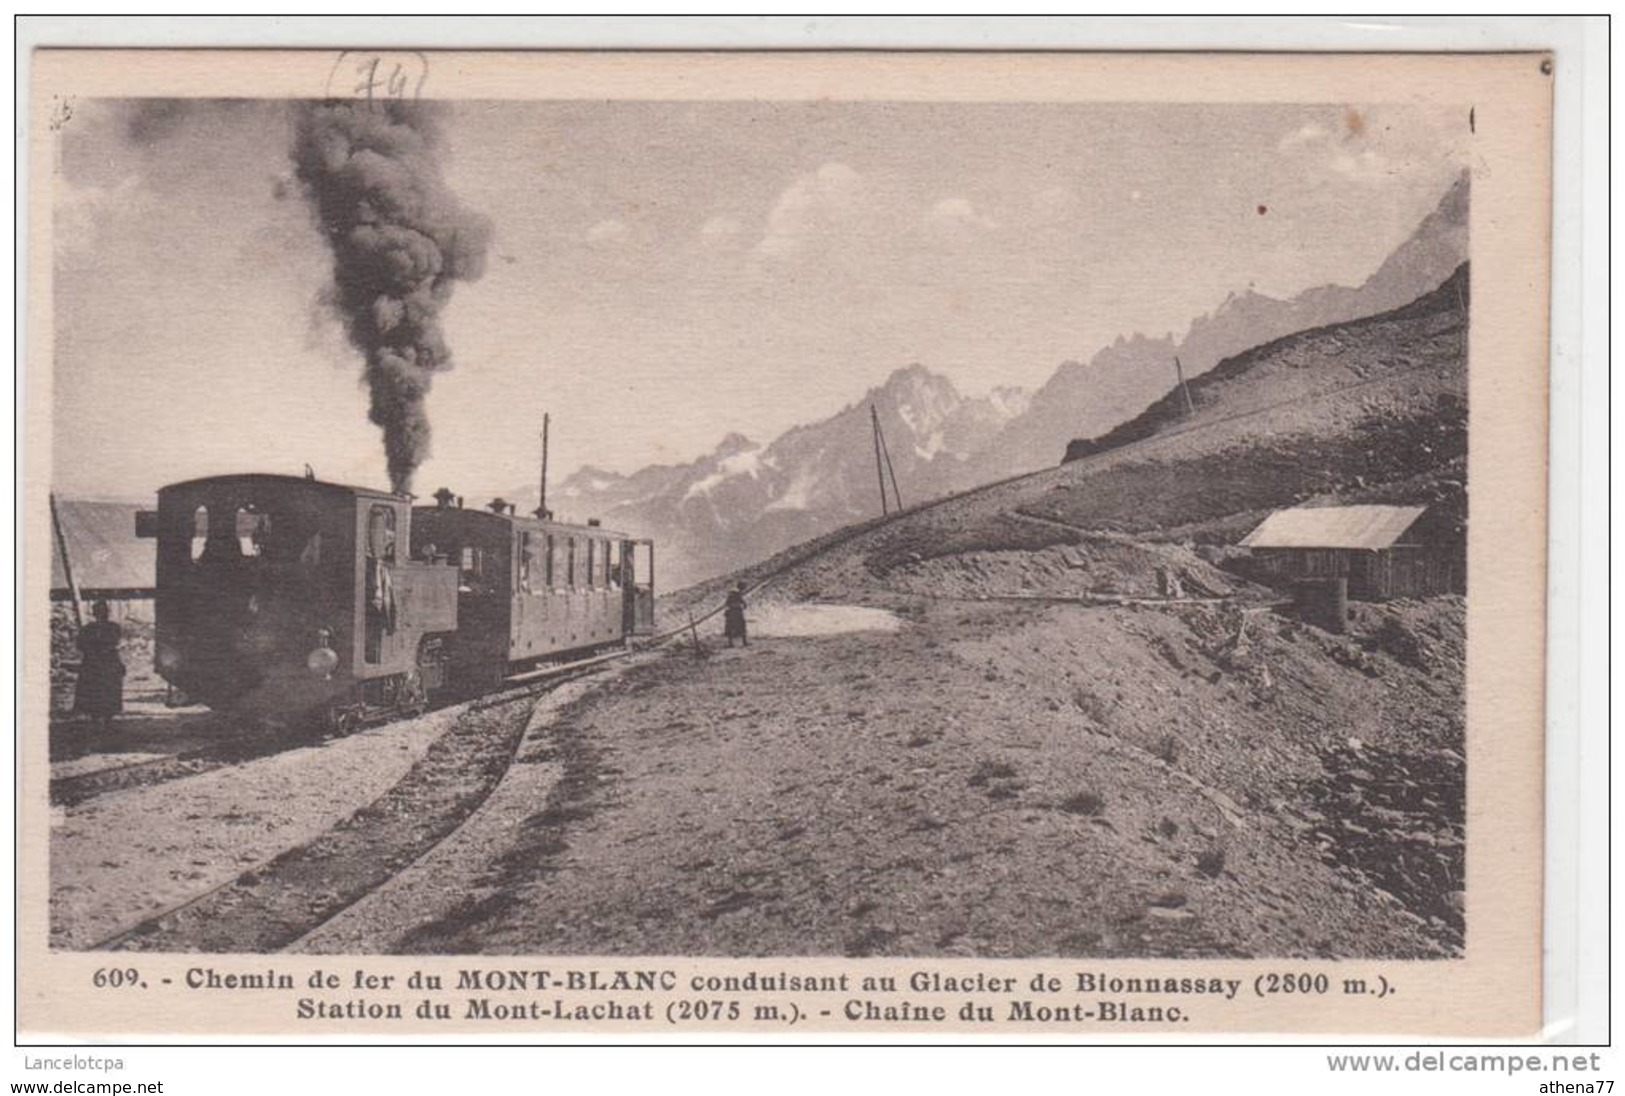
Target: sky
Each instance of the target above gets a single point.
(664, 273)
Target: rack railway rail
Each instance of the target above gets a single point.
(275, 903)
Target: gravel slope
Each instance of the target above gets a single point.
(994, 779)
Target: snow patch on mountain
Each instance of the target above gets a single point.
(747, 462)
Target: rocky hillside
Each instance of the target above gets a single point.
(1285, 371)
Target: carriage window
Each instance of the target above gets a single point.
(381, 533)
(570, 562)
(311, 554)
(611, 579)
(527, 561)
(587, 563)
(200, 532)
(471, 569)
(552, 566)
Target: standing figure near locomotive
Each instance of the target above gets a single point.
(733, 616)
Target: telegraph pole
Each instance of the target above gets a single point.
(883, 466)
(880, 466)
(67, 563)
(541, 502)
(885, 451)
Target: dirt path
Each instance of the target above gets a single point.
(963, 787)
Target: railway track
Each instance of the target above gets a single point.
(70, 791)
(269, 907)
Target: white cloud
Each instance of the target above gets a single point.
(957, 215)
(1373, 146)
(813, 204)
(608, 232)
(1363, 165)
(1056, 203)
(1308, 134)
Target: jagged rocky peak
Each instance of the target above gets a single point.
(912, 373)
(1009, 400)
(734, 443)
(586, 480)
(916, 385)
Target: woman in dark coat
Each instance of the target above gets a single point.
(733, 616)
(99, 693)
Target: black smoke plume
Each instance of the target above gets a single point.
(400, 241)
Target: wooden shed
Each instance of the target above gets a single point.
(1383, 551)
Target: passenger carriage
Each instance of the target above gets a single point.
(532, 591)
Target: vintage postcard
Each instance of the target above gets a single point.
(1019, 545)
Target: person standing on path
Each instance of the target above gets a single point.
(99, 693)
(733, 616)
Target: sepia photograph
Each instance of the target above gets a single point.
(840, 533)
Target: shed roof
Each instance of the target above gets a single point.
(1368, 527)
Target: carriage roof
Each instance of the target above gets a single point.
(270, 479)
(524, 521)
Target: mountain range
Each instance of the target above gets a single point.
(746, 500)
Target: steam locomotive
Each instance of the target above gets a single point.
(295, 599)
